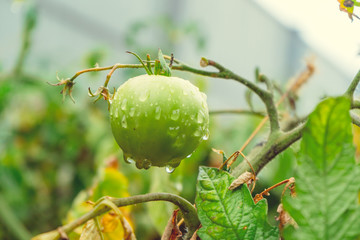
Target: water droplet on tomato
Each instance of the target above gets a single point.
(144, 95)
(197, 133)
(157, 113)
(146, 164)
(132, 112)
(185, 92)
(188, 156)
(175, 114)
(124, 104)
(169, 169)
(128, 159)
(206, 136)
(200, 117)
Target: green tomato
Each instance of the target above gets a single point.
(158, 120)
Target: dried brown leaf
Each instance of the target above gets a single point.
(172, 231)
(246, 177)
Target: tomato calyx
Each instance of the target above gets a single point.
(67, 89)
(160, 65)
(102, 92)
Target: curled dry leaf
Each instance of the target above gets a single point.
(172, 231)
(284, 218)
(246, 177)
(90, 231)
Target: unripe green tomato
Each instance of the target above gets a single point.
(158, 120)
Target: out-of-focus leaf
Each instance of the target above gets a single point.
(161, 182)
(226, 214)
(327, 178)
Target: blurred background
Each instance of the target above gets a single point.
(55, 155)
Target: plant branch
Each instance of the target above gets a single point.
(355, 119)
(29, 26)
(238, 111)
(351, 89)
(225, 73)
(355, 104)
(188, 210)
(97, 69)
(272, 148)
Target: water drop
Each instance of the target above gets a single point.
(123, 104)
(144, 95)
(206, 136)
(200, 117)
(116, 113)
(185, 93)
(123, 122)
(146, 164)
(128, 159)
(197, 133)
(188, 156)
(157, 113)
(132, 112)
(169, 169)
(175, 114)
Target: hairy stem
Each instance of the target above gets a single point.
(238, 111)
(188, 210)
(270, 150)
(351, 89)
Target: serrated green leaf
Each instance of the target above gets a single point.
(327, 179)
(226, 214)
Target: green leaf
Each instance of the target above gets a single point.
(226, 214)
(327, 178)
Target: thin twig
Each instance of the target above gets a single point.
(260, 196)
(238, 111)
